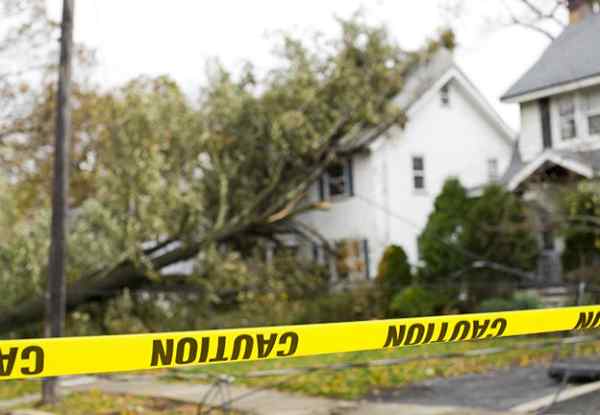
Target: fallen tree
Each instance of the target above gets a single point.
(235, 171)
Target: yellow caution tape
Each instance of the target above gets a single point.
(98, 354)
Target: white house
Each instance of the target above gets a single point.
(559, 98)
(383, 191)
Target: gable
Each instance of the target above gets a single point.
(477, 102)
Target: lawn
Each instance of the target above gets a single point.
(354, 383)
(94, 402)
(14, 388)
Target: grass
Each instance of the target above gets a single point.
(94, 402)
(14, 388)
(357, 382)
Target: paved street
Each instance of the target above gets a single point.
(498, 391)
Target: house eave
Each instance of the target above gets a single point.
(551, 90)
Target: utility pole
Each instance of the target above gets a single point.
(56, 290)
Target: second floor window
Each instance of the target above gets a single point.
(566, 113)
(593, 112)
(492, 169)
(418, 168)
(445, 95)
(337, 182)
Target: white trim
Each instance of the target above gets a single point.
(455, 73)
(554, 90)
(530, 168)
(546, 401)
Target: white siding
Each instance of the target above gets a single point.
(455, 141)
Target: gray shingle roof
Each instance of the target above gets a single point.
(516, 164)
(573, 56)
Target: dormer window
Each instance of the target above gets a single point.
(445, 95)
(592, 111)
(566, 113)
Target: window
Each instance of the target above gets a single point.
(492, 165)
(592, 111)
(566, 112)
(418, 167)
(337, 181)
(352, 259)
(445, 95)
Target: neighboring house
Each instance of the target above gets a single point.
(559, 98)
(382, 190)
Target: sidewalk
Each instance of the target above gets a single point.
(267, 402)
(253, 401)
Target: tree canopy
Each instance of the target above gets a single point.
(157, 179)
(491, 229)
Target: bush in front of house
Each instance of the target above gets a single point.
(414, 301)
(494, 227)
(519, 301)
(361, 302)
(393, 274)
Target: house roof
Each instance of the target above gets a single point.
(583, 162)
(572, 57)
(422, 83)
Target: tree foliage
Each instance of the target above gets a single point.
(158, 180)
(394, 273)
(580, 227)
(493, 228)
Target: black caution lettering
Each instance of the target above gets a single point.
(480, 328)
(204, 344)
(187, 350)
(415, 334)
(265, 346)
(587, 320)
(162, 354)
(395, 335)
(291, 338)
(429, 335)
(248, 342)
(7, 361)
(443, 332)
(220, 356)
(461, 330)
(38, 367)
(500, 324)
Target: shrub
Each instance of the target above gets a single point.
(519, 301)
(360, 303)
(414, 301)
(393, 274)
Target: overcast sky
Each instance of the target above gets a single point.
(177, 37)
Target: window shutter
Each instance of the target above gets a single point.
(366, 256)
(321, 189)
(544, 104)
(350, 177)
(317, 251)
